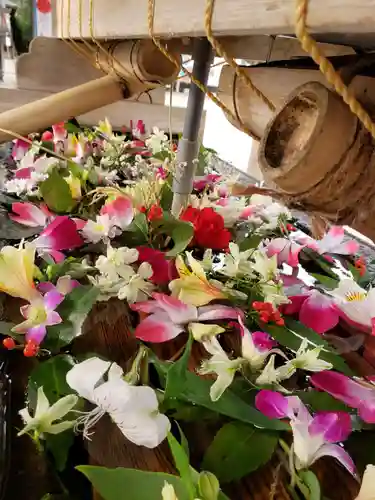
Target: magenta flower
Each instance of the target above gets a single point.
(332, 242)
(38, 315)
(120, 210)
(358, 394)
(287, 251)
(64, 285)
(263, 341)
(61, 234)
(315, 310)
(30, 215)
(168, 317)
(313, 437)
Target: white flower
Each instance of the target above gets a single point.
(156, 141)
(45, 415)
(138, 288)
(168, 492)
(100, 229)
(274, 293)
(106, 176)
(308, 359)
(133, 409)
(43, 164)
(367, 491)
(265, 266)
(221, 365)
(271, 375)
(116, 263)
(200, 331)
(237, 263)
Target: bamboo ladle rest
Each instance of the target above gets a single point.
(132, 67)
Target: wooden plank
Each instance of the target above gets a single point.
(119, 114)
(175, 18)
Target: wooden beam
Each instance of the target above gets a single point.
(176, 18)
(119, 114)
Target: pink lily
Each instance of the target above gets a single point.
(332, 242)
(358, 394)
(120, 210)
(168, 317)
(313, 437)
(64, 285)
(60, 234)
(287, 251)
(30, 215)
(164, 270)
(59, 132)
(20, 148)
(315, 310)
(38, 315)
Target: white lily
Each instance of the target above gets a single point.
(274, 293)
(157, 140)
(138, 288)
(237, 263)
(116, 263)
(221, 365)
(367, 491)
(265, 266)
(133, 409)
(45, 415)
(357, 305)
(271, 375)
(308, 359)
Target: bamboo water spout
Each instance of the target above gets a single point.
(131, 68)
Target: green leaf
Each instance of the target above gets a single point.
(182, 464)
(321, 401)
(182, 234)
(251, 241)
(326, 281)
(178, 371)
(115, 484)
(196, 390)
(71, 128)
(238, 449)
(312, 482)
(166, 197)
(59, 445)
(56, 193)
(73, 311)
(6, 328)
(292, 335)
(51, 375)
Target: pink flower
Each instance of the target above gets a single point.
(168, 317)
(38, 315)
(164, 270)
(64, 285)
(61, 234)
(263, 341)
(332, 242)
(139, 129)
(30, 215)
(315, 310)
(20, 148)
(120, 210)
(59, 132)
(356, 394)
(206, 182)
(313, 437)
(287, 251)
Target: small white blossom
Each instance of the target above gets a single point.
(100, 229)
(308, 359)
(116, 264)
(237, 263)
(157, 141)
(138, 288)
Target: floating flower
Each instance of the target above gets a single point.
(209, 229)
(168, 317)
(193, 287)
(19, 149)
(45, 415)
(332, 242)
(38, 315)
(133, 409)
(237, 263)
(286, 251)
(358, 394)
(157, 141)
(60, 234)
(120, 210)
(164, 270)
(356, 305)
(103, 228)
(256, 347)
(138, 287)
(313, 437)
(315, 310)
(17, 272)
(30, 215)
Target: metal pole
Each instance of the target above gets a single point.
(188, 146)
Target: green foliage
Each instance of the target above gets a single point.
(56, 193)
(238, 449)
(312, 482)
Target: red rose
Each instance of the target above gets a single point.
(209, 230)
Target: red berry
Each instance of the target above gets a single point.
(47, 136)
(290, 227)
(31, 349)
(143, 209)
(9, 343)
(268, 307)
(155, 213)
(257, 305)
(280, 322)
(265, 317)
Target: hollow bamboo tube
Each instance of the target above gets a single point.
(39, 115)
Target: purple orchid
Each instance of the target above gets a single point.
(38, 315)
(313, 437)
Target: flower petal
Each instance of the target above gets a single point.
(60, 234)
(157, 328)
(367, 487)
(336, 451)
(28, 214)
(272, 404)
(36, 334)
(178, 311)
(335, 426)
(42, 403)
(84, 376)
(319, 313)
(217, 311)
(52, 299)
(63, 406)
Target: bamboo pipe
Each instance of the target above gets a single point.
(136, 66)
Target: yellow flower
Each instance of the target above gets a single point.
(193, 287)
(17, 272)
(74, 186)
(105, 127)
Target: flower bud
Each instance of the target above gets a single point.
(208, 486)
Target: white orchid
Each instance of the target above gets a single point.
(138, 288)
(237, 263)
(265, 266)
(45, 415)
(133, 409)
(273, 376)
(100, 229)
(273, 292)
(168, 492)
(221, 365)
(116, 263)
(157, 140)
(308, 359)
